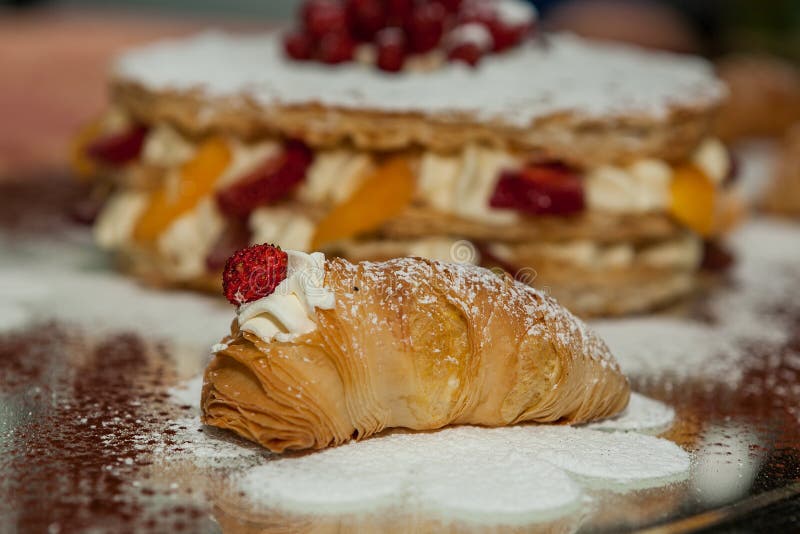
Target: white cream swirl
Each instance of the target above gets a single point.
(290, 310)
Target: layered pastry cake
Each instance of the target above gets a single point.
(447, 130)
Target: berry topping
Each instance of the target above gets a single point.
(335, 48)
(468, 53)
(508, 21)
(321, 17)
(399, 11)
(367, 17)
(119, 148)
(468, 43)
(299, 46)
(425, 27)
(542, 189)
(269, 183)
(332, 31)
(451, 6)
(391, 43)
(253, 273)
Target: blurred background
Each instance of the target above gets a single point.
(54, 55)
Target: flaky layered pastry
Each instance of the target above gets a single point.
(412, 343)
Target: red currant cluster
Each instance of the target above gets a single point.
(464, 30)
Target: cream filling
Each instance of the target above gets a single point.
(334, 176)
(638, 188)
(115, 223)
(463, 184)
(165, 147)
(283, 227)
(713, 159)
(186, 243)
(459, 184)
(289, 311)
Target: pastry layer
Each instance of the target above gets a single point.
(562, 97)
(589, 278)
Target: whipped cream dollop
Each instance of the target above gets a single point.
(290, 310)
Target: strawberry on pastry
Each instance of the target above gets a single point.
(253, 273)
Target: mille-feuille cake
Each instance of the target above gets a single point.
(449, 130)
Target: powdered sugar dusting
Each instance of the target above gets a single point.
(642, 415)
(506, 475)
(476, 473)
(188, 393)
(569, 75)
(477, 291)
(768, 253)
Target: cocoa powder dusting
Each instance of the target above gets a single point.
(75, 434)
(766, 402)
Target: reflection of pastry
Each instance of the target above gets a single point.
(599, 156)
(783, 193)
(764, 97)
(341, 351)
(240, 518)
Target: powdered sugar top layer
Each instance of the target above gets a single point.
(552, 75)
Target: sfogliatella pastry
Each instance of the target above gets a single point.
(587, 167)
(324, 351)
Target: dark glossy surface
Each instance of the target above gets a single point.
(81, 410)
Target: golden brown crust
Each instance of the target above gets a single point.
(448, 344)
(588, 290)
(571, 138)
(595, 226)
(613, 292)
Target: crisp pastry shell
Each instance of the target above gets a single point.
(572, 138)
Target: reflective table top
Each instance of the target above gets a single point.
(87, 417)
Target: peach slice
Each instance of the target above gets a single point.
(196, 181)
(384, 194)
(697, 203)
(82, 164)
(693, 199)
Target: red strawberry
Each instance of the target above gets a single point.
(119, 148)
(452, 6)
(469, 53)
(398, 12)
(367, 17)
(391, 45)
(324, 16)
(335, 48)
(298, 45)
(544, 189)
(253, 273)
(269, 183)
(425, 27)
